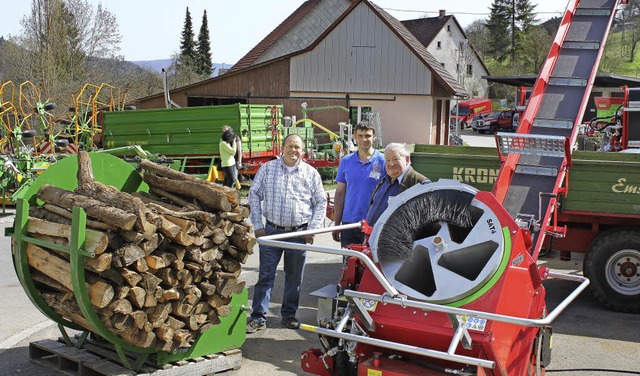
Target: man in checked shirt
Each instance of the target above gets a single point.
(289, 194)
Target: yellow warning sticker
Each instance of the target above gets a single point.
(370, 305)
(374, 372)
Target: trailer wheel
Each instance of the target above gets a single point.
(612, 263)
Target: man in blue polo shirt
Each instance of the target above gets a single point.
(357, 176)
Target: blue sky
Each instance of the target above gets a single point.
(151, 29)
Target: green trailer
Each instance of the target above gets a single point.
(601, 211)
(190, 136)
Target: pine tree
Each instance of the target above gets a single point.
(498, 26)
(204, 63)
(508, 22)
(187, 45)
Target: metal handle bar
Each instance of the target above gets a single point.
(273, 241)
(394, 296)
(400, 347)
(404, 302)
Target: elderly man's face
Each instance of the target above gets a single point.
(395, 164)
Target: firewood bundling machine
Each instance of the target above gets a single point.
(446, 286)
(447, 282)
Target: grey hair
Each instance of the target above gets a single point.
(401, 149)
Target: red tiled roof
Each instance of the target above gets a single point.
(276, 34)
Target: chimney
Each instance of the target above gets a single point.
(442, 13)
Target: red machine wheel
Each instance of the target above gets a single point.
(613, 266)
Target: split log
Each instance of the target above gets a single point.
(122, 306)
(48, 282)
(179, 200)
(242, 210)
(137, 296)
(100, 292)
(93, 208)
(95, 241)
(122, 292)
(244, 243)
(42, 213)
(210, 197)
(158, 315)
(232, 216)
(218, 236)
(237, 255)
(230, 265)
(147, 198)
(97, 264)
(57, 211)
(66, 308)
(164, 333)
(224, 310)
(140, 319)
(185, 225)
(198, 215)
(233, 195)
(87, 186)
(131, 277)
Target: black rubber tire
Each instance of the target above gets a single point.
(612, 264)
(493, 129)
(482, 131)
(50, 106)
(29, 133)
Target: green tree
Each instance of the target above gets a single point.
(58, 46)
(534, 49)
(498, 27)
(508, 22)
(478, 35)
(204, 63)
(187, 55)
(629, 20)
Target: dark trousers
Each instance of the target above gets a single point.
(230, 175)
(351, 236)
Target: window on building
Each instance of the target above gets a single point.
(358, 113)
(442, 64)
(469, 69)
(458, 68)
(439, 46)
(449, 28)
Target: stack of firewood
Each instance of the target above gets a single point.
(166, 262)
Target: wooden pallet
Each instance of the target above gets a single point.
(98, 361)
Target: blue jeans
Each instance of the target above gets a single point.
(293, 271)
(351, 236)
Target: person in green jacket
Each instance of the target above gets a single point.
(228, 148)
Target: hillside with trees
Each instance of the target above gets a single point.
(65, 44)
(513, 41)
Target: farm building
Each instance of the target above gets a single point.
(445, 39)
(347, 53)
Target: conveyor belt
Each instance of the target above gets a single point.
(562, 88)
